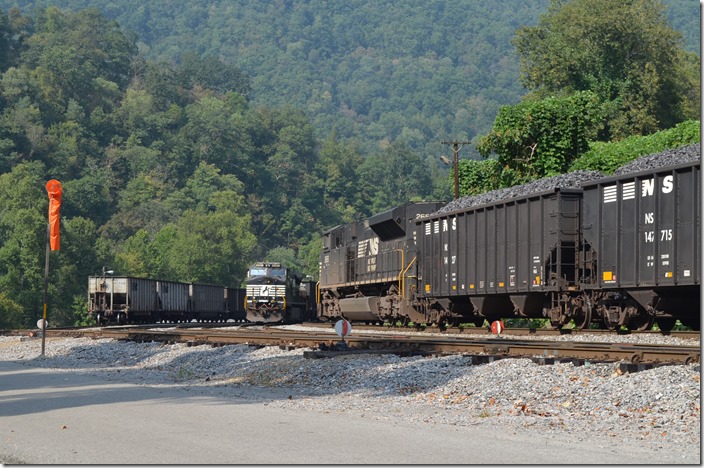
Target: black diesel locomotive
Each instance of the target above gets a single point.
(619, 251)
(278, 294)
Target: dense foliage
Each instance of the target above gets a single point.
(596, 71)
(609, 156)
(536, 139)
(374, 71)
(624, 51)
(224, 133)
(168, 171)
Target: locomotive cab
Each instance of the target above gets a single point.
(276, 294)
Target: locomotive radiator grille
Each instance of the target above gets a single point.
(266, 290)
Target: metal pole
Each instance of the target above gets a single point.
(456, 149)
(46, 287)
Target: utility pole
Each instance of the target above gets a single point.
(456, 146)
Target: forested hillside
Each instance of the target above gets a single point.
(194, 138)
(373, 71)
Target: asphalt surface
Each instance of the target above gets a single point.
(63, 417)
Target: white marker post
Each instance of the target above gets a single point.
(497, 327)
(343, 328)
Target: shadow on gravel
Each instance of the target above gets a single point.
(240, 375)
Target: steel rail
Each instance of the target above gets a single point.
(455, 344)
(685, 334)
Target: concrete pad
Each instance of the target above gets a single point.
(52, 416)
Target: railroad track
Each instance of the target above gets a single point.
(685, 334)
(327, 344)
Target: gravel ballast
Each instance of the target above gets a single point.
(658, 408)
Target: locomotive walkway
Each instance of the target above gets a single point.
(57, 417)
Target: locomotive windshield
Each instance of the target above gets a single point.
(257, 271)
(271, 271)
(277, 272)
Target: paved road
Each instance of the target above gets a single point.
(59, 417)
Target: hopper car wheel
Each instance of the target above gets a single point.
(641, 322)
(608, 325)
(556, 324)
(666, 323)
(583, 318)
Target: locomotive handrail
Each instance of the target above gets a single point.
(400, 273)
(405, 270)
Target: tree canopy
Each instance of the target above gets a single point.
(596, 70)
(624, 51)
(178, 165)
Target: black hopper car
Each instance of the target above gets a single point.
(125, 299)
(618, 251)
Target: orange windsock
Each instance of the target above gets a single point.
(53, 187)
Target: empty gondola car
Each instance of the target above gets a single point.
(278, 294)
(122, 299)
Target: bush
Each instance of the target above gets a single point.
(607, 157)
(10, 313)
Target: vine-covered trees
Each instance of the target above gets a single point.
(624, 51)
(538, 139)
(597, 70)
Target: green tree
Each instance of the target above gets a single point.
(211, 246)
(341, 197)
(477, 177)
(624, 51)
(286, 256)
(11, 315)
(69, 269)
(394, 177)
(537, 139)
(23, 231)
(68, 53)
(211, 73)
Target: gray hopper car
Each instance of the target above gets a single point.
(124, 299)
(207, 302)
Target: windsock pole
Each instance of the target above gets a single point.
(46, 287)
(54, 190)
